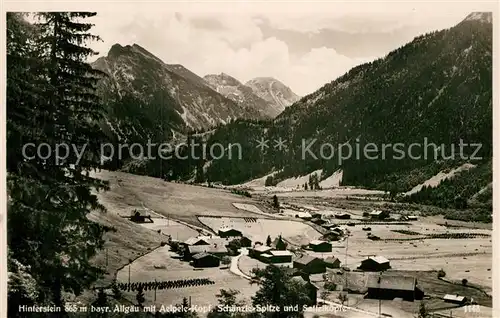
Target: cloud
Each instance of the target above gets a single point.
(208, 39)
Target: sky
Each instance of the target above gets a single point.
(304, 45)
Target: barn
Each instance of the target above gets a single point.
(276, 257)
(229, 232)
(455, 299)
(393, 286)
(320, 246)
(312, 290)
(310, 265)
(332, 262)
(205, 260)
(375, 264)
(218, 250)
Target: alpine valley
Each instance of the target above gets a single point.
(436, 88)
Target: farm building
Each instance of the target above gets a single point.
(303, 215)
(245, 241)
(312, 290)
(320, 246)
(412, 218)
(318, 221)
(279, 244)
(332, 262)
(310, 265)
(392, 286)
(343, 216)
(205, 260)
(258, 250)
(275, 257)
(197, 241)
(379, 215)
(229, 232)
(455, 299)
(375, 264)
(218, 250)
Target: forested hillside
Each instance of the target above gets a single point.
(436, 88)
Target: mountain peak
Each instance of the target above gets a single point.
(485, 17)
(273, 91)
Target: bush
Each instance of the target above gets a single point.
(464, 281)
(441, 273)
(330, 286)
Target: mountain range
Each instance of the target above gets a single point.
(149, 99)
(437, 87)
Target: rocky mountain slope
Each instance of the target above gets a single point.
(436, 88)
(273, 91)
(243, 95)
(147, 98)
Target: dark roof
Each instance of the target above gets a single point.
(202, 255)
(225, 230)
(306, 259)
(277, 241)
(331, 260)
(319, 242)
(391, 282)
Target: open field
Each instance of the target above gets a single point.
(295, 232)
(176, 200)
(175, 229)
(143, 270)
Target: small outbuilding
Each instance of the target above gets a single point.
(332, 262)
(303, 215)
(375, 264)
(320, 246)
(379, 214)
(205, 260)
(455, 299)
(218, 250)
(229, 232)
(310, 265)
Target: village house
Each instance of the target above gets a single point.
(329, 226)
(258, 250)
(412, 218)
(375, 264)
(316, 215)
(311, 289)
(332, 262)
(320, 246)
(229, 232)
(455, 299)
(275, 257)
(379, 215)
(218, 250)
(197, 241)
(393, 286)
(310, 265)
(205, 260)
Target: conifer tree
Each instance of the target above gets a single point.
(51, 99)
